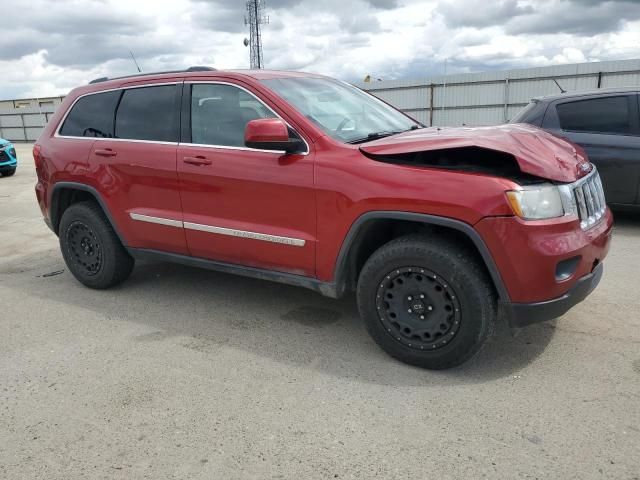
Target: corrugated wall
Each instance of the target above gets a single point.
(494, 97)
(22, 120)
(24, 124)
(463, 99)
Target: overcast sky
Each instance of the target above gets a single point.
(48, 47)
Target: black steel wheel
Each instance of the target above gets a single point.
(427, 301)
(84, 247)
(418, 307)
(90, 247)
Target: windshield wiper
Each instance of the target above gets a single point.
(375, 136)
(382, 134)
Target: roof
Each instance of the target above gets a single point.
(267, 74)
(585, 93)
(207, 71)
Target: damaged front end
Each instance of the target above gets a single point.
(520, 152)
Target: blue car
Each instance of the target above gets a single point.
(8, 158)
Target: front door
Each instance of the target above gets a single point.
(240, 205)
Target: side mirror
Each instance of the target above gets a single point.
(271, 134)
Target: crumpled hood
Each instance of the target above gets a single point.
(537, 152)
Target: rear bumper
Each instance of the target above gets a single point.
(523, 314)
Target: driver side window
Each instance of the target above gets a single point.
(220, 113)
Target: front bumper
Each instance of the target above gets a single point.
(522, 314)
(546, 266)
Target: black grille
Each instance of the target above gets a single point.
(4, 157)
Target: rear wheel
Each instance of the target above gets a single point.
(90, 247)
(427, 302)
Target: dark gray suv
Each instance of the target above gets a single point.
(606, 123)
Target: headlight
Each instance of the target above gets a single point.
(536, 202)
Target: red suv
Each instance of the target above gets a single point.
(309, 181)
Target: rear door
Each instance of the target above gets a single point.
(607, 127)
(241, 205)
(136, 168)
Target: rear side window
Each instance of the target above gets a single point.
(597, 115)
(148, 113)
(532, 114)
(92, 116)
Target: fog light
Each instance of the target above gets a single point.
(566, 268)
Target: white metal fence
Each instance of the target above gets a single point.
(24, 124)
(464, 99)
(491, 98)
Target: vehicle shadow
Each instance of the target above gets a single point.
(626, 219)
(207, 311)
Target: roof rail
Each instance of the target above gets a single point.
(196, 68)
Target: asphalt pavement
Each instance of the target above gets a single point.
(182, 373)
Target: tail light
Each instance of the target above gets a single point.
(37, 158)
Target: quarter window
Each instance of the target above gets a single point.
(220, 113)
(92, 116)
(597, 115)
(148, 113)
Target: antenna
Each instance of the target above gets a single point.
(254, 18)
(134, 61)
(562, 90)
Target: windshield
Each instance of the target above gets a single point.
(344, 112)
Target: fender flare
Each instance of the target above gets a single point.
(53, 207)
(341, 265)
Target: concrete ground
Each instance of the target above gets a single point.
(189, 374)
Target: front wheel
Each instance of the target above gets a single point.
(426, 301)
(8, 172)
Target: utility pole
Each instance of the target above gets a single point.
(254, 18)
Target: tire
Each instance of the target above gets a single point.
(90, 247)
(452, 301)
(8, 173)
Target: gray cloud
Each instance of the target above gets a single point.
(383, 4)
(14, 44)
(75, 36)
(586, 17)
(360, 24)
(72, 51)
(52, 46)
(464, 13)
(576, 17)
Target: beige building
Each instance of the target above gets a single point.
(48, 102)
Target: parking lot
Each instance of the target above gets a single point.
(186, 373)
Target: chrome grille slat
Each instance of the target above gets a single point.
(596, 198)
(601, 193)
(590, 201)
(582, 204)
(587, 195)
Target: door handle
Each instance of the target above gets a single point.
(197, 160)
(107, 152)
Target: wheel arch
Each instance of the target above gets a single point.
(357, 247)
(65, 194)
